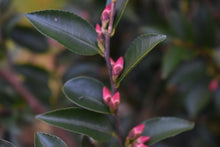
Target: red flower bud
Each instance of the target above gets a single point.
(136, 131)
(106, 13)
(106, 95)
(138, 145)
(213, 85)
(114, 102)
(112, 62)
(99, 31)
(118, 66)
(143, 139)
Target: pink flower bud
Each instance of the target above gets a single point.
(143, 139)
(213, 85)
(112, 62)
(99, 31)
(138, 145)
(118, 66)
(106, 95)
(106, 13)
(136, 131)
(114, 102)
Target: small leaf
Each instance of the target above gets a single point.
(47, 140)
(33, 73)
(206, 28)
(4, 143)
(29, 38)
(187, 74)
(139, 48)
(164, 127)
(173, 57)
(119, 10)
(81, 121)
(181, 26)
(197, 99)
(68, 29)
(87, 93)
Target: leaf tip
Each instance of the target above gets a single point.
(28, 15)
(163, 36)
(38, 116)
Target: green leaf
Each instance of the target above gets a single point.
(173, 57)
(197, 98)
(206, 28)
(4, 143)
(10, 23)
(47, 140)
(68, 29)
(33, 73)
(81, 121)
(29, 38)
(87, 93)
(33, 78)
(119, 10)
(164, 127)
(139, 48)
(188, 74)
(181, 27)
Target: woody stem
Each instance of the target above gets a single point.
(107, 59)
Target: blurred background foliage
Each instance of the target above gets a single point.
(178, 78)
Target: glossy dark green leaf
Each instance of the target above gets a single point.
(119, 10)
(68, 29)
(81, 121)
(4, 143)
(87, 93)
(47, 140)
(164, 127)
(30, 39)
(197, 99)
(139, 48)
(173, 57)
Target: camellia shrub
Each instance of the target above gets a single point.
(97, 111)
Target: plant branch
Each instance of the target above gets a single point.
(107, 47)
(107, 59)
(117, 119)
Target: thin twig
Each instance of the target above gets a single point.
(107, 47)
(117, 119)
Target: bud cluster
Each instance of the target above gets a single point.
(134, 138)
(105, 17)
(111, 101)
(117, 67)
